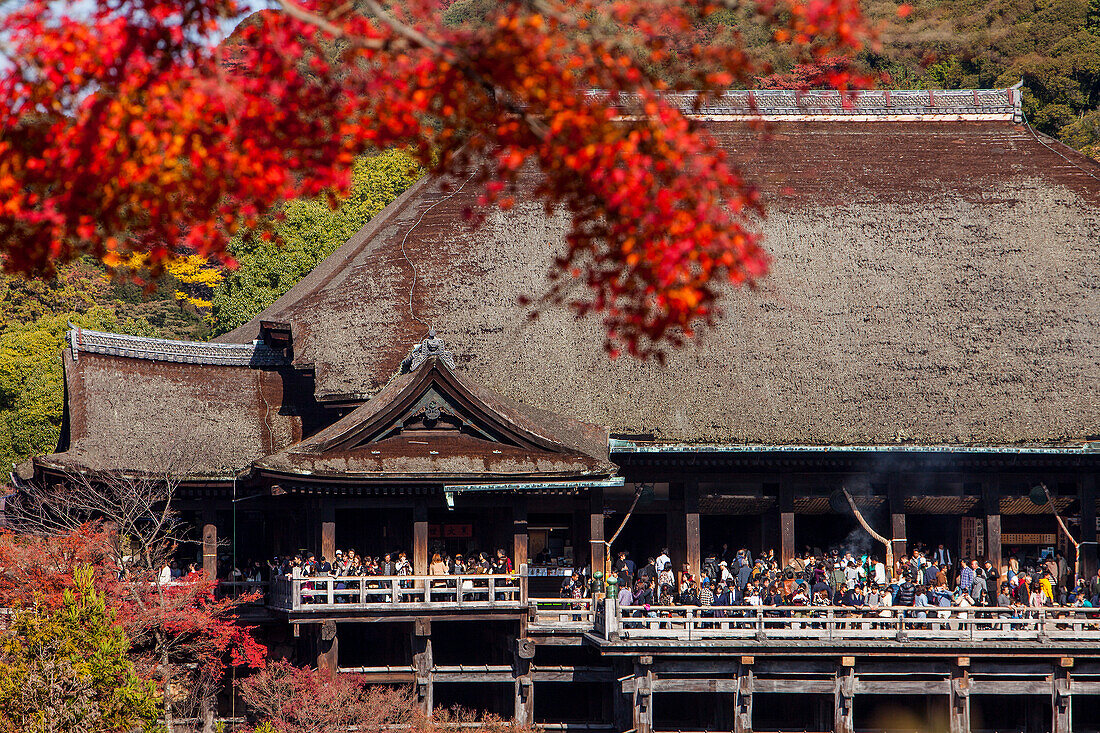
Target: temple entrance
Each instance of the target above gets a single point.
(933, 530)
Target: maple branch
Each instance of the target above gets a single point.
(405, 31)
(299, 13)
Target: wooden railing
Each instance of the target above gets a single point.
(562, 612)
(833, 623)
(348, 593)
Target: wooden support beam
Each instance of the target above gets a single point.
(420, 538)
(897, 531)
(958, 712)
(424, 667)
(895, 498)
(742, 701)
(694, 556)
(328, 647)
(991, 502)
(210, 549)
(519, 532)
(901, 687)
(524, 700)
(328, 541)
(643, 695)
(1008, 687)
(596, 548)
(786, 537)
(843, 695)
(622, 708)
(1062, 703)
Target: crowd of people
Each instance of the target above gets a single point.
(922, 578)
(349, 563)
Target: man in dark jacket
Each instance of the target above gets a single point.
(906, 593)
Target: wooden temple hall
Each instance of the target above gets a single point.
(928, 338)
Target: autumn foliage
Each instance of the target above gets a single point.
(182, 636)
(132, 129)
(289, 699)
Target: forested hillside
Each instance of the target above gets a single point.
(1052, 45)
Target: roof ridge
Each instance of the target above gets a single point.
(852, 105)
(158, 349)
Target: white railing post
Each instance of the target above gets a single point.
(492, 589)
(611, 617)
(395, 594)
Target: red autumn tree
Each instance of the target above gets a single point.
(127, 130)
(182, 634)
(292, 699)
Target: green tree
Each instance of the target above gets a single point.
(308, 231)
(32, 377)
(68, 670)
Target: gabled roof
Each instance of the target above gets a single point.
(430, 425)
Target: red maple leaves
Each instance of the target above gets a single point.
(132, 129)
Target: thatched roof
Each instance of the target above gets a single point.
(171, 407)
(934, 282)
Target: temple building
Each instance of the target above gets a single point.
(928, 339)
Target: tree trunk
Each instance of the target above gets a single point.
(169, 722)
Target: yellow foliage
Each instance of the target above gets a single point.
(187, 269)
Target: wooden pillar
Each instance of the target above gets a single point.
(843, 694)
(742, 708)
(1062, 703)
(597, 551)
(424, 664)
(787, 549)
(1088, 526)
(991, 506)
(694, 557)
(519, 533)
(328, 532)
(959, 709)
(643, 695)
(786, 534)
(209, 544)
(896, 499)
(420, 538)
(622, 708)
(328, 646)
(524, 687)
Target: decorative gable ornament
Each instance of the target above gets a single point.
(430, 346)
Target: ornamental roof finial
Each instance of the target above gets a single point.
(430, 346)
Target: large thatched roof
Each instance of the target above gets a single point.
(935, 282)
